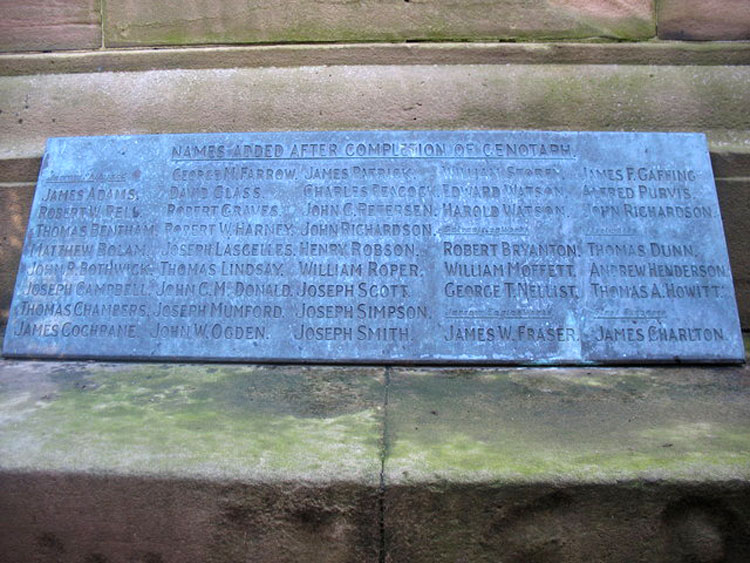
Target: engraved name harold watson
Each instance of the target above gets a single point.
(424, 247)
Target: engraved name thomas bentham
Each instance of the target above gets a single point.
(471, 247)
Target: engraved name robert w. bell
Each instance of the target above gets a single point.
(425, 247)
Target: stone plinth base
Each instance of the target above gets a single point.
(160, 462)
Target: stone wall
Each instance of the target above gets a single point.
(86, 24)
(169, 462)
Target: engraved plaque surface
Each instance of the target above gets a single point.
(379, 246)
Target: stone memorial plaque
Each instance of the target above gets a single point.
(380, 246)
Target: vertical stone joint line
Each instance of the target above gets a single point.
(655, 13)
(101, 20)
(383, 456)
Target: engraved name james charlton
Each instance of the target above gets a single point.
(466, 247)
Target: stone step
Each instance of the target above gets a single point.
(218, 462)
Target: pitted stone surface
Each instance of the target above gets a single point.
(471, 247)
(546, 464)
(189, 463)
(210, 463)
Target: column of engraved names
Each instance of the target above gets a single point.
(364, 226)
(508, 275)
(638, 271)
(224, 272)
(86, 268)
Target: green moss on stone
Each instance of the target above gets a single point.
(590, 425)
(201, 419)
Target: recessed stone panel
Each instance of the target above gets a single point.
(190, 22)
(380, 246)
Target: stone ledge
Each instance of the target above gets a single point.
(570, 97)
(357, 54)
(214, 422)
(191, 462)
(558, 425)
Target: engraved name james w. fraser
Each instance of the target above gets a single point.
(424, 247)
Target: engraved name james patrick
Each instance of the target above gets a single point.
(472, 247)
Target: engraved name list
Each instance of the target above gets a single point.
(426, 247)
